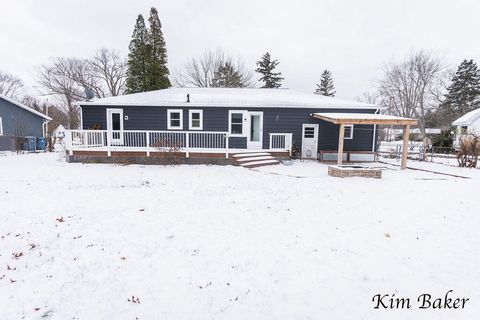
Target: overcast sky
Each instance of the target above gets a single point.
(352, 38)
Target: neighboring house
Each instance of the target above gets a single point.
(468, 123)
(59, 132)
(218, 122)
(18, 121)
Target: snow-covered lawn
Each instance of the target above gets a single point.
(97, 241)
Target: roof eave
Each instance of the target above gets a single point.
(192, 104)
(24, 107)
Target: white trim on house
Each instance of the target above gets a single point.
(244, 127)
(35, 112)
(116, 135)
(350, 135)
(190, 124)
(169, 118)
(1, 127)
(310, 142)
(81, 119)
(254, 144)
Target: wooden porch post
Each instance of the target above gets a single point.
(406, 134)
(341, 134)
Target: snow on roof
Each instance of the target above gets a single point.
(229, 97)
(18, 104)
(468, 118)
(59, 128)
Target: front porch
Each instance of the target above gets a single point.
(193, 146)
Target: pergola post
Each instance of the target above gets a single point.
(341, 134)
(406, 134)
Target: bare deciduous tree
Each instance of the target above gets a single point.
(111, 69)
(200, 71)
(73, 79)
(57, 79)
(10, 86)
(413, 86)
(370, 98)
(56, 112)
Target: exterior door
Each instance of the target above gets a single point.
(255, 130)
(115, 126)
(310, 141)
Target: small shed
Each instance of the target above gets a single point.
(343, 119)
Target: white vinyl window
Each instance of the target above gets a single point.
(236, 123)
(1, 127)
(195, 119)
(174, 119)
(348, 132)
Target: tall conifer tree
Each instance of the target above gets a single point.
(227, 76)
(138, 59)
(158, 54)
(464, 91)
(326, 87)
(266, 66)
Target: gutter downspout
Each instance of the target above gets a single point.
(374, 132)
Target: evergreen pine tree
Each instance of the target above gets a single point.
(326, 87)
(464, 91)
(226, 76)
(157, 65)
(265, 68)
(137, 75)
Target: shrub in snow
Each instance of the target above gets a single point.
(469, 149)
(170, 150)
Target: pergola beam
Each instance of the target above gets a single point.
(367, 119)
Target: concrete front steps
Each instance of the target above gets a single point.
(254, 159)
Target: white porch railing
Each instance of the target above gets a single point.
(151, 141)
(281, 142)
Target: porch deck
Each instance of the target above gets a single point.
(184, 144)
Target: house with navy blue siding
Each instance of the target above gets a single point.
(218, 123)
(18, 121)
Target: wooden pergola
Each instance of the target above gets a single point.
(343, 119)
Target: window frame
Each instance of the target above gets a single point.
(349, 137)
(1, 127)
(169, 118)
(242, 112)
(190, 125)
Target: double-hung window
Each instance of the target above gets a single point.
(236, 123)
(174, 119)
(195, 119)
(348, 132)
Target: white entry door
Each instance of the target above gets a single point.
(255, 130)
(309, 141)
(115, 126)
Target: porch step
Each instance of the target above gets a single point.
(252, 154)
(254, 164)
(255, 158)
